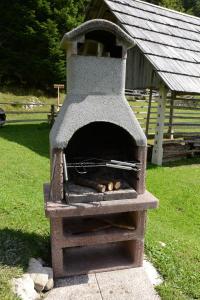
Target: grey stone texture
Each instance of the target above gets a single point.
(131, 284)
(50, 283)
(39, 275)
(128, 284)
(82, 287)
(23, 287)
(95, 75)
(97, 24)
(80, 110)
(95, 89)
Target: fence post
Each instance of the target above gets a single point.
(149, 106)
(52, 117)
(157, 155)
(171, 115)
(58, 87)
(148, 113)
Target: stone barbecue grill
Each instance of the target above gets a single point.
(96, 200)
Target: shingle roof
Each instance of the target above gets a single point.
(170, 40)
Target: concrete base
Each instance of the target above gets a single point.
(129, 284)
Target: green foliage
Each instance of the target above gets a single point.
(188, 6)
(30, 34)
(196, 8)
(176, 224)
(172, 4)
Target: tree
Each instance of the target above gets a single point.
(172, 4)
(30, 34)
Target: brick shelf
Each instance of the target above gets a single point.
(61, 209)
(103, 250)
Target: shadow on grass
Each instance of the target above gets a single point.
(152, 166)
(183, 162)
(17, 247)
(32, 136)
(177, 163)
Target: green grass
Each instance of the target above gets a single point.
(177, 224)
(24, 230)
(17, 99)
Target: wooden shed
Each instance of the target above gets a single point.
(166, 57)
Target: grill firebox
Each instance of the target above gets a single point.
(96, 199)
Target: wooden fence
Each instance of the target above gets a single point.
(182, 124)
(22, 112)
(182, 116)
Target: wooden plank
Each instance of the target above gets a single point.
(185, 107)
(183, 124)
(26, 121)
(186, 118)
(140, 112)
(143, 106)
(60, 86)
(23, 103)
(182, 152)
(188, 99)
(182, 141)
(186, 133)
(25, 112)
(187, 113)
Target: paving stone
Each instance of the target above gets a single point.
(129, 284)
(83, 287)
(153, 275)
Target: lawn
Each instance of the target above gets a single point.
(24, 230)
(17, 105)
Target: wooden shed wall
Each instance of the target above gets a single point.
(139, 71)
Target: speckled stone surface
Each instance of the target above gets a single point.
(128, 284)
(80, 110)
(76, 288)
(97, 24)
(92, 75)
(95, 90)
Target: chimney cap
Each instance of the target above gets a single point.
(93, 25)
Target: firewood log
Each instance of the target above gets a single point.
(116, 184)
(101, 188)
(107, 183)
